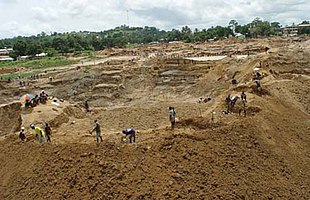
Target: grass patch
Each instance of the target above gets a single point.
(23, 75)
(87, 69)
(84, 53)
(131, 45)
(39, 63)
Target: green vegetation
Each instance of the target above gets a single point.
(87, 69)
(39, 63)
(23, 75)
(83, 43)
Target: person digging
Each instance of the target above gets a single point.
(98, 131)
(131, 133)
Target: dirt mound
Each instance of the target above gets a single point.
(10, 115)
(2, 87)
(263, 155)
(199, 123)
(7, 70)
(226, 162)
(75, 111)
(59, 120)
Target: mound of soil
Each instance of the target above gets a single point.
(10, 115)
(263, 155)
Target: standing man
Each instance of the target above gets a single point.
(86, 106)
(172, 116)
(131, 132)
(48, 132)
(98, 131)
(243, 97)
(22, 134)
(228, 102)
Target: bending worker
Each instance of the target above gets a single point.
(39, 133)
(131, 132)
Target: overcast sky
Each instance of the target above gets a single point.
(30, 17)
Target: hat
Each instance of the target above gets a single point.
(32, 126)
(23, 128)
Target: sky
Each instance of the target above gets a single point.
(31, 17)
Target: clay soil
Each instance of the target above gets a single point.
(265, 155)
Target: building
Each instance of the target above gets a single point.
(6, 59)
(5, 52)
(293, 30)
(240, 36)
(290, 31)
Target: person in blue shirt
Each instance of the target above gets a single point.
(132, 134)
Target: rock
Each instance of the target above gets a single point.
(101, 163)
(86, 154)
(177, 175)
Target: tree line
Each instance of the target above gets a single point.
(122, 36)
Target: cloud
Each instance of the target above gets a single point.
(8, 1)
(161, 14)
(34, 16)
(74, 7)
(44, 15)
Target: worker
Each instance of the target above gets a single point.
(22, 134)
(228, 102)
(132, 134)
(43, 97)
(243, 97)
(48, 132)
(172, 114)
(98, 131)
(234, 82)
(39, 133)
(86, 106)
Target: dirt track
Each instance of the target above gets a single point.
(262, 156)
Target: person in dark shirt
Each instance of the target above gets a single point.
(243, 97)
(48, 132)
(22, 134)
(172, 115)
(86, 106)
(132, 134)
(98, 131)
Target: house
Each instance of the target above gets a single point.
(41, 55)
(240, 36)
(290, 31)
(293, 30)
(5, 51)
(6, 59)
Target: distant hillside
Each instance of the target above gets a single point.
(123, 36)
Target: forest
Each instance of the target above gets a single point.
(125, 36)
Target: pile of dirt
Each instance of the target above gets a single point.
(264, 155)
(10, 115)
(2, 87)
(230, 161)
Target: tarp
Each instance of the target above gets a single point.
(26, 97)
